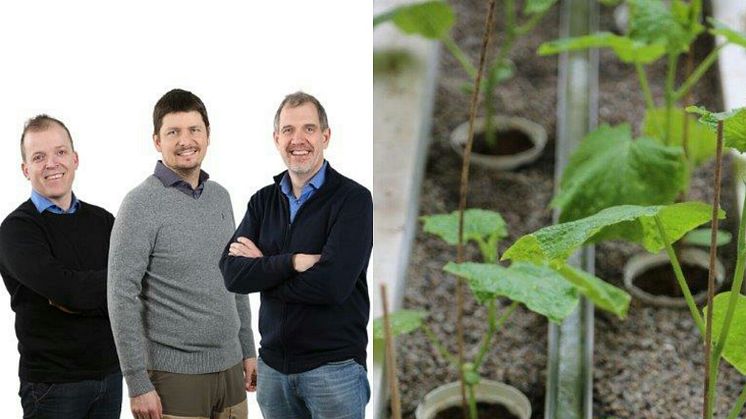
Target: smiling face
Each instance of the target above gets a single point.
(300, 140)
(50, 163)
(182, 141)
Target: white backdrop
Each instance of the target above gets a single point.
(101, 67)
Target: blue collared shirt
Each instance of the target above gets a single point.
(311, 187)
(42, 203)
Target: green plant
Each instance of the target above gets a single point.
(549, 289)
(434, 20)
(610, 167)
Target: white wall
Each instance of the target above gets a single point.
(101, 67)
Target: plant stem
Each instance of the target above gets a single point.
(643, 77)
(739, 405)
(680, 277)
(685, 128)
(439, 346)
(670, 81)
(710, 364)
(460, 56)
(505, 47)
(698, 72)
(530, 23)
(495, 325)
(463, 191)
(472, 403)
(390, 358)
(736, 287)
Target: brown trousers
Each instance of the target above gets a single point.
(217, 395)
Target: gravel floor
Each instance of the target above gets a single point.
(646, 366)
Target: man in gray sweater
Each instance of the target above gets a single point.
(185, 343)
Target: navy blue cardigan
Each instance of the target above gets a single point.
(318, 316)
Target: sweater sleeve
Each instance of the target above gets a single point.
(27, 257)
(132, 240)
(246, 275)
(343, 257)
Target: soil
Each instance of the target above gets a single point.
(647, 366)
(484, 411)
(508, 143)
(661, 280)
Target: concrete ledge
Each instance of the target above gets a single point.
(403, 93)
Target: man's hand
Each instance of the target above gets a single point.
(244, 247)
(303, 262)
(249, 373)
(146, 406)
(62, 308)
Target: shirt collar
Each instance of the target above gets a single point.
(42, 203)
(316, 181)
(169, 178)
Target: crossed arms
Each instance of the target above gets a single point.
(326, 278)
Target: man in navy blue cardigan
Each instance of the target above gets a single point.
(305, 243)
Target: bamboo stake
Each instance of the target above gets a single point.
(391, 375)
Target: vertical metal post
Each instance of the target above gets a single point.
(570, 346)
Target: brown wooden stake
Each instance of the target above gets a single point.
(711, 276)
(390, 360)
(462, 199)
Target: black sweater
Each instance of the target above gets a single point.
(60, 258)
(318, 316)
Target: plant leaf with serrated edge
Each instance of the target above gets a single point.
(651, 22)
(402, 321)
(479, 225)
(734, 125)
(430, 19)
(603, 295)
(538, 6)
(626, 49)
(610, 168)
(734, 346)
(632, 223)
(703, 237)
(732, 36)
(701, 144)
(539, 288)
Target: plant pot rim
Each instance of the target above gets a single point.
(645, 261)
(448, 395)
(535, 133)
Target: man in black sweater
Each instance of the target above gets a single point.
(305, 243)
(53, 254)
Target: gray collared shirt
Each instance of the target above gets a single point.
(169, 178)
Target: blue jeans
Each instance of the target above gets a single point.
(332, 391)
(88, 399)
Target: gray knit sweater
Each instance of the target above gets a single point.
(168, 306)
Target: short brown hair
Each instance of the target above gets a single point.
(178, 100)
(297, 99)
(41, 123)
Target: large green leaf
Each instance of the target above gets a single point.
(603, 295)
(633, 223)
(539, 288)
(627, 49)
(652, 22)
(730, 35)
(484, 227)
(538, 6)
(610, 168)
(702, 141)
(430, 19)
(402, 321)
(734, 351)
(734, 125)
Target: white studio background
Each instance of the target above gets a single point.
(100, 67)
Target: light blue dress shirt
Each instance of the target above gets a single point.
(42, 203)
(311, 187)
